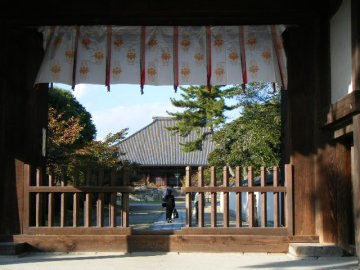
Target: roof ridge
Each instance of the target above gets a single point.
(155, 118)
(163, 118)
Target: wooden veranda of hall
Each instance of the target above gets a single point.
(320, 129)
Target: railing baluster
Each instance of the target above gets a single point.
(125, 200)
(201, 197)
(188, 198)
(75, 209)
(238, 198)
(26, 217)
(276, 196)
(76, 201)
(87, 209)
(87, 206)
(38, 203)
(112, 208)
(263, 198)
(226, 197)
(251, 197)
(100, 201)
(213, 198)
(51, 202)
(63, 199)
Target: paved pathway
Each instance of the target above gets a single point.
(172, 261)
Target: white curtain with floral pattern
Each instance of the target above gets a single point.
(163, 55)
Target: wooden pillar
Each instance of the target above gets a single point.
(23, 114)
(356, 180)
(300, 117)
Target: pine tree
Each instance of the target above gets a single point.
(203, 114)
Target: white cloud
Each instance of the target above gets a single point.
(81, 90)
(133, 117)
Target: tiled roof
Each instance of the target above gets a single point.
(154, 145)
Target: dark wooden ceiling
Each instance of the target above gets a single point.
(169, 12)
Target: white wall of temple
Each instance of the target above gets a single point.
(340, 52)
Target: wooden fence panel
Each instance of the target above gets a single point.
(71, 194)
(101, 194)
(255, 190)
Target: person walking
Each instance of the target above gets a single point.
(196, 207)
(169, 202)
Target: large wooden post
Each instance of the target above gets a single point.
(355, 180)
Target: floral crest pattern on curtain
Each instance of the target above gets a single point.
(163, 55)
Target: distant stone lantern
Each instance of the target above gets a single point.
(177, 176)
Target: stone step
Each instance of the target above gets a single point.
(315, 250)
(12, 248)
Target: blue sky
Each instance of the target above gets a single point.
(124, 106)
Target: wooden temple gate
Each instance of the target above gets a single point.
(99, 219)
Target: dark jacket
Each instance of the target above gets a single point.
(169, 199)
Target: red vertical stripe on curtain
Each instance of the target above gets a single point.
(108, 58)
(277, 43)
(208, 51)
(242, 55)
(142, 59)
(176, 58)
(75, 57)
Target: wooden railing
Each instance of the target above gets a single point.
(55, 207)
(282, 203)
(90, 206)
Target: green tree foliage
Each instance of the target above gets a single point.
(66, 104)
(254, 138)
(71, 134)
(203, 110)
(99, 153)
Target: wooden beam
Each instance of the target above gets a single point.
(73, 189)
(340, 112)
(344, 130)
